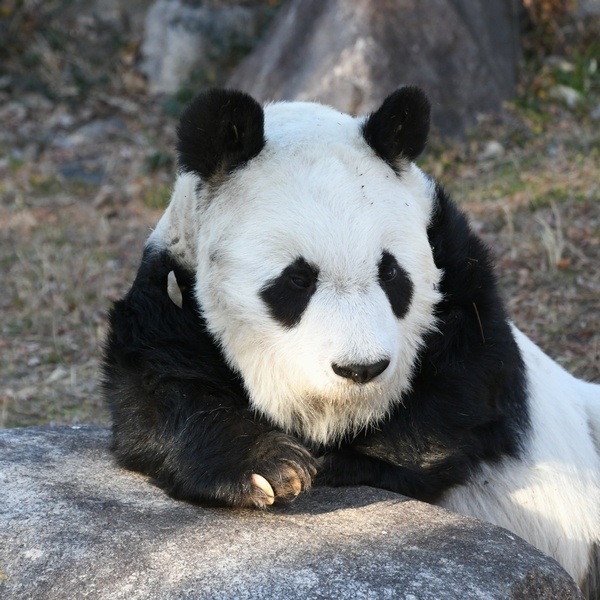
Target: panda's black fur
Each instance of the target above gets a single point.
(482, 402)
(231, 124)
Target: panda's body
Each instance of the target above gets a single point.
(313, 308)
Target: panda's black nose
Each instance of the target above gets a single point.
(361, 373)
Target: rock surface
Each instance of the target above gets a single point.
(183, 37)
(72, 525)
(353, 54)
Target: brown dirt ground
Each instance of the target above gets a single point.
(83, 178)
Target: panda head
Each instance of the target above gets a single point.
(313, 267)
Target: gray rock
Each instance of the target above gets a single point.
(72, 525)
(585, 9)
(353, 54)
(571, 97)
(94, 132)
(184, 37)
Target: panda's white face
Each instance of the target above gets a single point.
(315, 273)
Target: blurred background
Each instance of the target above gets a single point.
(90, 91)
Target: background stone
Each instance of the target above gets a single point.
(353, 54)
(72, 525)
(183, 37)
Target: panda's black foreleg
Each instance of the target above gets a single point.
(227, 458)
(349, 467)
(205, 448)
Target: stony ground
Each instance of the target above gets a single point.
(86, 165)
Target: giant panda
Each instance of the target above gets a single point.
(313, 309)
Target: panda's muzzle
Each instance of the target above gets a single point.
(361, 373)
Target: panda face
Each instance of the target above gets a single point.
(315, 274)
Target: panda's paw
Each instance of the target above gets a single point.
(282, 468)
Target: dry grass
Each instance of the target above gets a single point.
(64, 265)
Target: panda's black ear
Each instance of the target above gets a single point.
(399, 128)
(219, 131)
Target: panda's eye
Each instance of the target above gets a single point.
(300, 275)
(300, 281)
(388, 268)
(388, 273)
(303, 278)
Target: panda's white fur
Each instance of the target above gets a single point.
(288, 373)
(323, 194)
(551, 496)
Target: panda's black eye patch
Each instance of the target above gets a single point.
(288, 295)
(396, 284)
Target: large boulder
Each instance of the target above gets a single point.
(73, 525)
(352, 54)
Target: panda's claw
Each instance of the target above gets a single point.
(296, 485)
(268, 496)
(173, 290)
(289, 483)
